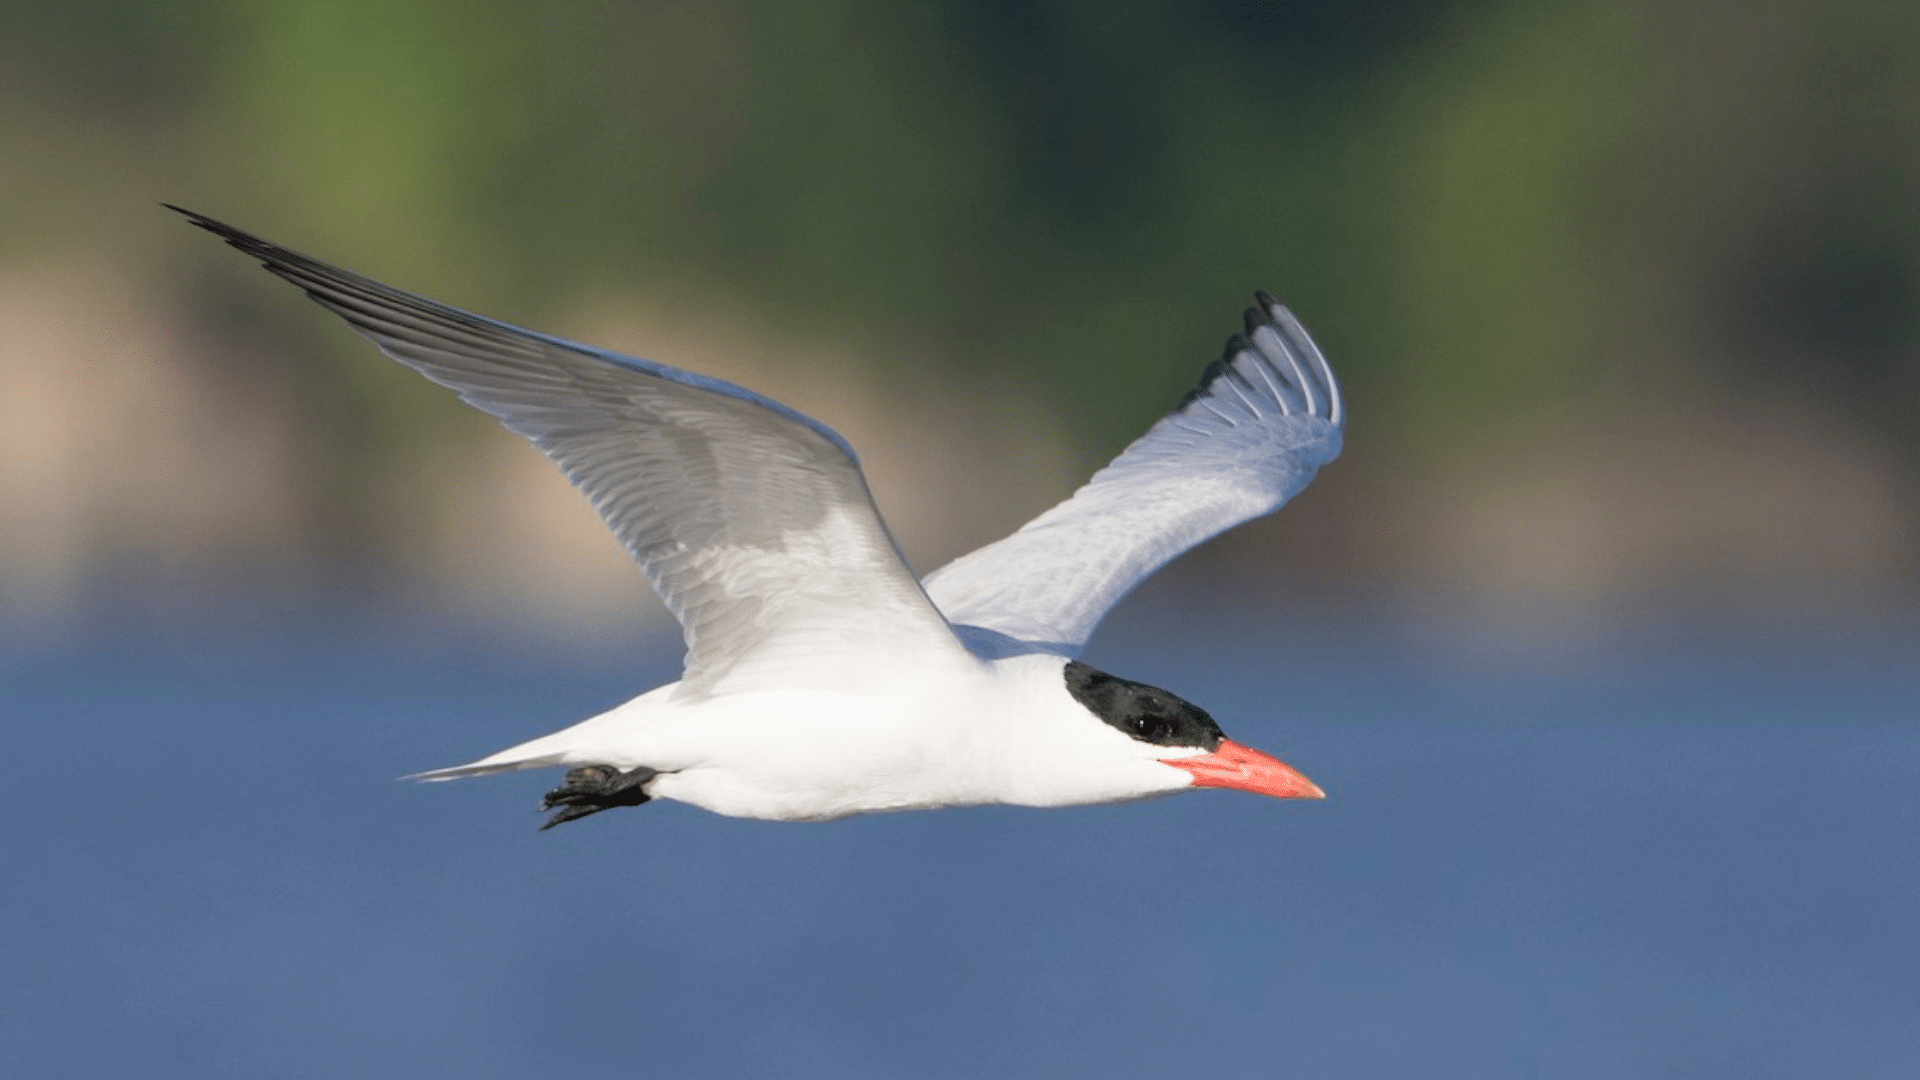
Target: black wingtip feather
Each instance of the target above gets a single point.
(272, 255)
(1265, 314)
(219, 228)
(1253, 318)
(1214, 370)
(335, 288)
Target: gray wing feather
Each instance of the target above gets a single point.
(1248, 437)
(752, 521)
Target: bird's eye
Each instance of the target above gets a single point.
(1153, 727)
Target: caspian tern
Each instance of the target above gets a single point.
(821, 679)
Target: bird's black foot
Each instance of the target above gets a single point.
(590, 789)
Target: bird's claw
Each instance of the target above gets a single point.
(590, 789)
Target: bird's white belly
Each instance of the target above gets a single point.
(797, 755)
(924, 738)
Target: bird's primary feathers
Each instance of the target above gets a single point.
(821, 679)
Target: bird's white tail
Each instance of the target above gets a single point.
(534, 754)
(562, 747)
(488, 766)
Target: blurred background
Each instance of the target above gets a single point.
(1602, 632)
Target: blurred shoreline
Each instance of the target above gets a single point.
(1174, 621)
(150, 457)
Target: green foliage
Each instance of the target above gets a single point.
(1485, 209)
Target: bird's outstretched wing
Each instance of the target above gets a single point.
(752, 521)
(1248, 437)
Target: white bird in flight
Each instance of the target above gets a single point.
(821, 679)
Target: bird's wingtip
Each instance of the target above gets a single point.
(193, 216)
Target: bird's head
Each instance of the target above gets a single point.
(1176, 733)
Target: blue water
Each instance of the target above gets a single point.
(1658, 849)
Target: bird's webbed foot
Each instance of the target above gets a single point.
(590, 789)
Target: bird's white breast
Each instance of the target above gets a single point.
(1001, 732)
